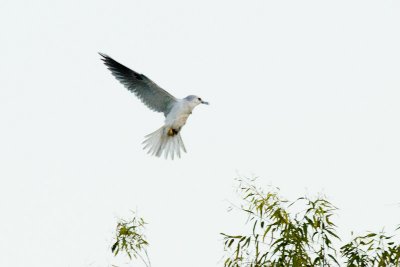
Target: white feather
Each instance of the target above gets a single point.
(159, 142)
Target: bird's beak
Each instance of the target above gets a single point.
(205, 102)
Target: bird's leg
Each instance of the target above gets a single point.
(172, 132)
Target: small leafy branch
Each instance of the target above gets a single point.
(280, 236)
(130, 239)
(372, 249)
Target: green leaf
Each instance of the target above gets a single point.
(114, 246)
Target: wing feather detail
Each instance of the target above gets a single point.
(153, 96)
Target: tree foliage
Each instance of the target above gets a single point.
(372, 249)
(299, 233)
(280, 233)
(130, 239)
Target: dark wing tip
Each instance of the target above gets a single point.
(103, 55)
(111, 63)
(119, 69)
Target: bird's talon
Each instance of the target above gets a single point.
(172, 132)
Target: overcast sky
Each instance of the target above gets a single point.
(304, 94)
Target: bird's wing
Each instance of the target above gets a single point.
(145, 89)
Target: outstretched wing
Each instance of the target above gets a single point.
(145, 89)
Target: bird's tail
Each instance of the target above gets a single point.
(164, 140)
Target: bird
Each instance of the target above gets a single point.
(166, 140)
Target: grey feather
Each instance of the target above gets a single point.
(146, 90)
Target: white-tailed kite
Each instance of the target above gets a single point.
(167, 139)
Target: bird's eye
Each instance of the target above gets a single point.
(199, 98)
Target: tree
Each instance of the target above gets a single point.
(130, 239)
(280, 236)
(281, 233)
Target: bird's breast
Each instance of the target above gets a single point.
(178, 118)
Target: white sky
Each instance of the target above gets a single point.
(304, 94)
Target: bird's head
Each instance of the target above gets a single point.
(195, 100)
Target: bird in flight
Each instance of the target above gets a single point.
(167, 139)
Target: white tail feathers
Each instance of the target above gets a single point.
(160, 142)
